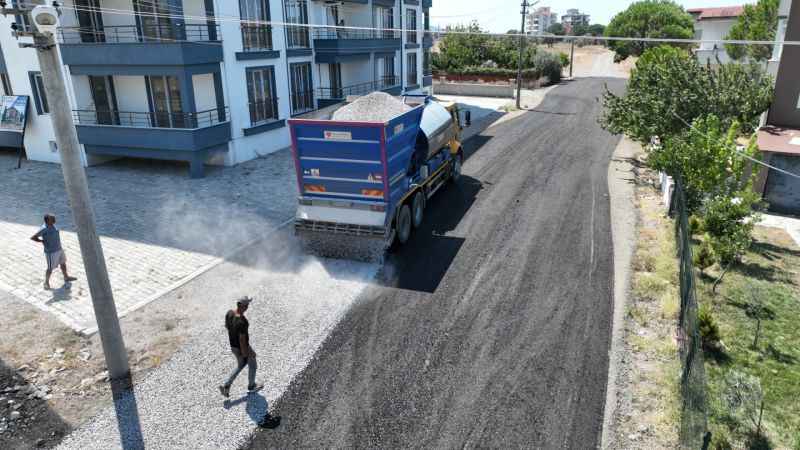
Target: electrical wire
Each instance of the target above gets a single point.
(741, 152)
(234, 19)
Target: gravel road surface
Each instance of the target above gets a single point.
(492, 326)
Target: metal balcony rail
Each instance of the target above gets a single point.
(263, 111)
(158, 119)
(120, 34)
(256, 37)
(302, 101)
(329, 93)
(324, 33)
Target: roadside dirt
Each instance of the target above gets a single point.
(55, 379)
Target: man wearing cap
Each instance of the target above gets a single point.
(239, 338)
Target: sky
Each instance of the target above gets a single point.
(504, 15)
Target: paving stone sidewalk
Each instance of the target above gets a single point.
(158, 227)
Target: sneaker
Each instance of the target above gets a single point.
(68, 279)
(257, 387)
(225, 391)
(46, 286)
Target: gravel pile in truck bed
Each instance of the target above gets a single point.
(374, 107)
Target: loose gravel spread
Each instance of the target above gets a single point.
(179, 407)
(374, 107)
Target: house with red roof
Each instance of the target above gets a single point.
(712, 24)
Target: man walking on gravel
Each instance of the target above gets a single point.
(50, 237)
(239, 337)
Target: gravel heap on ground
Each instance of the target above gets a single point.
(374, 107)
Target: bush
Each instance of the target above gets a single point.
(695, 225)
(549, 65)
(564, 59)
(709, 329)
(704, 256)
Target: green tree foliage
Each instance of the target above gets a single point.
(651, 19)
(557, 29)
(668, 88)
(730, 221)
(744, 398)
(709, 329)
(596, 29)
(757, 23)
(457, 51)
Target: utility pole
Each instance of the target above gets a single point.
(524, 13)
(571, 55)
(45, 20)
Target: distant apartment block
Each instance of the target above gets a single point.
(572, 18)
(713, 24)
(166, 81)
(539, 21)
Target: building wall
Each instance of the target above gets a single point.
(782, 192)
(785, 109)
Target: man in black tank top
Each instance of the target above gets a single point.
(239, 337)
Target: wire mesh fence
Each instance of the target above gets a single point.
(693, 427)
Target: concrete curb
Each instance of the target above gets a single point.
(623, 233)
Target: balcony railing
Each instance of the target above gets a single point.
(256, 37)
(359, 89)
(302, 101)
(191, 120)
(119, 34)
(350, 33)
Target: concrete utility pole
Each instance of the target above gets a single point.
(571, 55)
(45, 19)
(524, 13)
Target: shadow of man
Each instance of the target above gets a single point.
(257, 408)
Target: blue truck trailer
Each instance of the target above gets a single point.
(363, 185)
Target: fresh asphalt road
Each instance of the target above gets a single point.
(491, 328)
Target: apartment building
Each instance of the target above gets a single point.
(713, 24)
(540, 20)
(208, 81)
(572, 18)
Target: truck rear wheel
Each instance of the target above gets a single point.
(403, 224)
(418, 209)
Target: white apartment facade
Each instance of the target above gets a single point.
(540, 20)
(572, 18)
(210, 81)
(713, 24)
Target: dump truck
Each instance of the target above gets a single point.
(363, 186)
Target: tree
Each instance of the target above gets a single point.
(650, 19)
(743, 395)
(557, 29)
(668, 89)
(757, 23)
(596, 29)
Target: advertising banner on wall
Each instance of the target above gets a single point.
(13, 112)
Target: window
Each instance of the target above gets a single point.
(426, 62)
(39, 95)
(166, 108)
(411, 26)
(426, 24)
(256, 35)
(384, 67)
(296, 11)
(384, 22)
(261, 95)
(301, 87)
(22, 21)
(6, 84)
(411, 80)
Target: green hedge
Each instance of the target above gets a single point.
(545, 64)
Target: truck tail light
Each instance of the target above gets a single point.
(372, 192)
(313, 188)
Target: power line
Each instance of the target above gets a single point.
(741, 152)
(234, 19)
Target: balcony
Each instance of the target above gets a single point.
(335, 44)
(157, 135)
(121, 46)
(328, 96)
